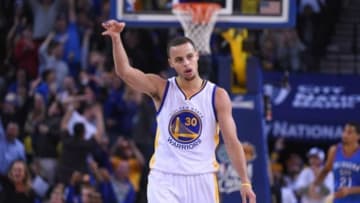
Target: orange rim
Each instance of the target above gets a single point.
(200, 12)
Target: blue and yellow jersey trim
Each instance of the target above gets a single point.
(163, 98)
(156, 144)
(217, 192)
(203, 84)
(213, 101)
(216, 141)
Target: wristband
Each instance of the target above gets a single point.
(245, 185)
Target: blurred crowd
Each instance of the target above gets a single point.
(70, 130)
(300, 49)
(293, 173)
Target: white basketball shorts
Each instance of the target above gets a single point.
(175, 188)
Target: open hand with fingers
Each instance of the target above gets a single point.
(113, 28)
(247, 194)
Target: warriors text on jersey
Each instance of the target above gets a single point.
(187, 133)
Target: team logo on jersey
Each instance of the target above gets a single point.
(185, 129)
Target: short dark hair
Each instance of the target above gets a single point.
(178, 41)
(79, 130)
(46, 73)
(355, 125)
(53, 44)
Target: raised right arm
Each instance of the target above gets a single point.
(150, 84)
(328, 166)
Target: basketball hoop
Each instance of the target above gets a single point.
(198, 21)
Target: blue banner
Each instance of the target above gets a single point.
(311, 106)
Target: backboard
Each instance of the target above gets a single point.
(234, 13)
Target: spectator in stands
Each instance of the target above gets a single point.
(21, 80)
(10, 111)
(126, 151)
(120, 109)
(113, 108)
(268, 50)
(26, 53)
(66, 33)
(87, 192)
(22, 103)
(102, 154)
(290, 50)
(46, 86)
(83, 17)
(51, 53)
(82, 189)
(308, 28)
(100, 179)
(78, 190)
(11, 149)
(123, 188)
(57, 194)
(145, 125)
(16, 186)
(307, 176)
(87, 113)
(74, 154)
(18, 24)
(116, 186)
(44, 12)
(293, 166)
(36, 115)
(280, 192)
(69, 91)
(46, 140)
(79, 145)
(96, 198)
(96, 63)
(77, 95)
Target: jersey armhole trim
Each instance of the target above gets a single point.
(213, 102)
(163, 98)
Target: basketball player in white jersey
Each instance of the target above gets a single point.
(190, 111)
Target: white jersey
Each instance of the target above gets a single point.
(187, 133)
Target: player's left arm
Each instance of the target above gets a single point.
(354, 190)
(233, 146)
(345, 191)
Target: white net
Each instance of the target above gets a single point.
(198, 21)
